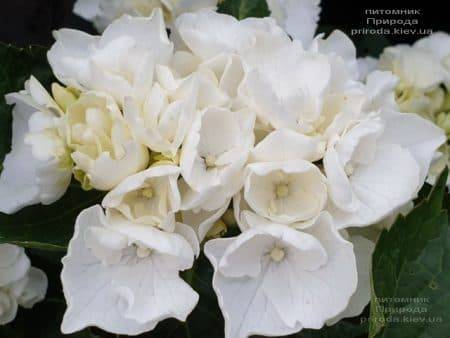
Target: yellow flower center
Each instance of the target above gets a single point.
(147, 193)
(143, 252)
(210, 161)
(282, 190)
(277, 254)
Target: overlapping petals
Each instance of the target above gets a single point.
(38, 168)
(274, 280)
(130, 269)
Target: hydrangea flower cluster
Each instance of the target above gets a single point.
(237, 124)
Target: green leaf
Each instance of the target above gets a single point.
(47, 227)
(242, 9)
(17, 64)
(411, 273)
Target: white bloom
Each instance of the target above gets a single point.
(215, 152)
(378, 165)
(286, 85)
(415, 67)
(150, 197)
(424, 65)
(274, 280)
(38, 169)
(20, 284)
(166, 115)
(313, 91)
(103, 147)
(281, 182)
(120, 62)
(103, 12)
(438, 44)
(124, 277)
(298, 17)
(286, 192)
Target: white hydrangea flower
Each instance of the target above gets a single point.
(319, 93)
(423, 65)
(281, 182)
(421, 68)
(20, 283)
(273, 280)
(438, 44)
(215, 152)
(101, 140)
(38, 169)
(103, 12)
(167, 113)
(150, 197)
(378, 165)
(286, 192)
(120, 62)
(123, 277)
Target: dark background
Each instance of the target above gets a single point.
(24, 22)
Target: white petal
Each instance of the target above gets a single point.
(189, 235)
(421, 137)
(14, 264)
(245, 307)
(298, 17)
(303, 194)
(130, 297)
(119, 62)
(203, 220)
(285, 144)
(156, 209)
(363, 249)
(68, 57)
(18, 186)
(99, 171)
(313, 296)
(300, 285)
(384, 185)
(8, 307)
(35, 289)
(87, 9)
(227, 36)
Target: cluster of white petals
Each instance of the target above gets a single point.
(298, 17)
(20, 283)
(230, 118)
(423, 72)
(38, 169)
